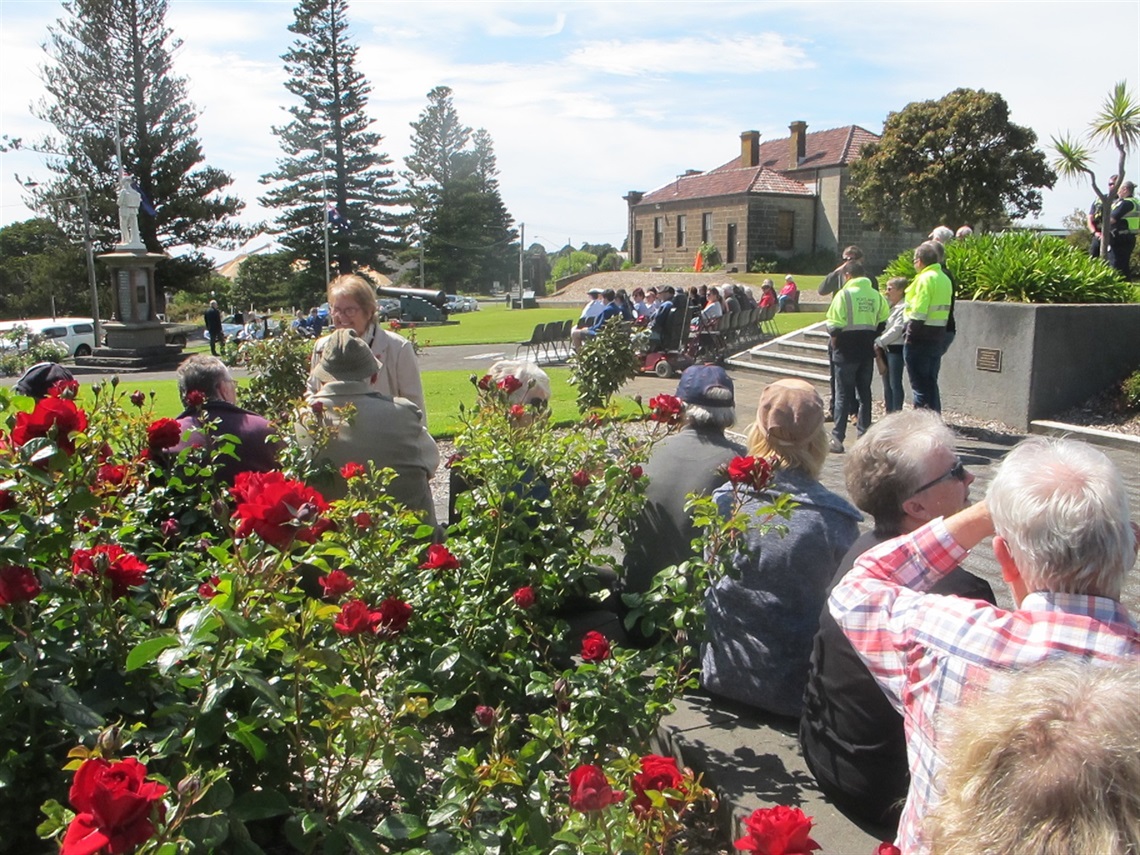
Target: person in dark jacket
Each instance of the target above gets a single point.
(904, 473)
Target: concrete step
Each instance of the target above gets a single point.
(769, 372)
(800, 345)
(775, 357)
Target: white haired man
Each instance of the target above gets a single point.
(1059, 514)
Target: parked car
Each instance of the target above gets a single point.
(73, 336)
(230, 329)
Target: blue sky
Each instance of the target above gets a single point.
(586, 101)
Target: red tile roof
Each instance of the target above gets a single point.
(834, 147)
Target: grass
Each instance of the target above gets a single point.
(805, 283)
(494, 323)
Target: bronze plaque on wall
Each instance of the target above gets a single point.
(988, 359)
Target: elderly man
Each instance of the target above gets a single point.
(609, 309)
(386, 432)
(206, 424)
(213, 319)
(851, 736)
(856, 316)
(1059, 514)
(927, 312)
(690, 461)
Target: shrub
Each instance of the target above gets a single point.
(603, 365)
(710, 256)
(279, 366)
(1023, 267)
(1130, 388)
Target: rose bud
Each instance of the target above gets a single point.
(138, 398)
(485, 715)
(317, 407)
(170, 528)
(110, 742)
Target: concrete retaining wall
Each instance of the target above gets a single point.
(1016, 362)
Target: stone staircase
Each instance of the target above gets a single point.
(802, 353)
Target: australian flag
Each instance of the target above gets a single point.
(144, 201)
(336, 220)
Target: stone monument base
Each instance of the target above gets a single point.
(139, 335)
(129, 359)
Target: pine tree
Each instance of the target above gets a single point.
(456, 208)
(110, 64)
(332, 158)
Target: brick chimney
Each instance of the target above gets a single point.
(797, 144)
(750, 148)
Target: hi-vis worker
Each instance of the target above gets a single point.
(856, 316)
(927, 311)
(1125, 224)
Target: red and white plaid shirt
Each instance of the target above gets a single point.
(926, 649)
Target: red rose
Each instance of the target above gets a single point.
(17, 585)
(517, 411)
(209, 589)
(50, 414)
(394, 616)
(113, 803)
(64, 389)
(485, 382)
(336, 583)
(110, 561)
(111, 475)
(170, 528)
(195, 398)
(657, 773)
(580, 479)
(363, 520)
(439, 557)
(665, 409)
(317, 407)
(524, 597)
(754, 472)
(278, 509)
(138, 398)
(510, 384)
(778, 830)
(595, 647)
(394, 325)
(485, 715)
(590, 791)
(352, 470)
(887, 848)
(6, 500)
(356, 618)
(164, 433)
(636, 472)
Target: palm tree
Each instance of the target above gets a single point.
(1118, 123)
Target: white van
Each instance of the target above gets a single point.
(73, 336)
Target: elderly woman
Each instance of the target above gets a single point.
(761, 623)
(352, 305)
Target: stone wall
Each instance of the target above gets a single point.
(1017, 362)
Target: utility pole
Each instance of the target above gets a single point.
(91, 271)
(522, 245)
(325, 201)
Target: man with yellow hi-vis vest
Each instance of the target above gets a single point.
(1124, 225)
(856, 316)
(927, 312)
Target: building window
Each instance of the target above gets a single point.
(706, 228)
(637, 247)
(730, 244)
(680, 230)
(785, 229)
(658, 233)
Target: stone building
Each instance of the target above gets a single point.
(777, 199)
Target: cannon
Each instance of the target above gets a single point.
(418, 304)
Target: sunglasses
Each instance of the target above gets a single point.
(957, 471)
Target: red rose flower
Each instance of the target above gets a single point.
(18, 585)
(485, 382)
(394, 617)
(64, 389)
(665, 409)
(509, 384)
(164, 433)
(485, 715)
(110, 561)
(439, 557)
(111, 475)
(170, 528)
(363, 520)
(336, 583)
(138, 398)
(517, 411)
(778, 830)
(50, 414)
(754, 472)
(657, 773)
(394, 325)
(352, 470)
(524, 597)
(887, 848)
(278, 509)
(580, 479)
(595, 647)
(113, 802)
(356, 618)
(209, 589)
(636, 472)
(6, 500)
(195, 398)
(317, 407)
(590, 791)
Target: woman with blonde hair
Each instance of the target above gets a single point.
(761, 620)
(352, 305)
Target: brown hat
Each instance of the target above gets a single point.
(790, 412)
(345, 357)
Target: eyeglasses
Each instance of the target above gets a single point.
(957, 471)
(345, 310)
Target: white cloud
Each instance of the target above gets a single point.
(742, 55)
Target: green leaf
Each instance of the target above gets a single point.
(448, 662)
(443, 704)
(259, 804)
(147, 651)
(402, 826)
(443, 814)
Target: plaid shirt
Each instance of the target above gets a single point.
(925, 649)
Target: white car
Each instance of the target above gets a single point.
(73, 336)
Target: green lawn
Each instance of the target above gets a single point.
(494, 323)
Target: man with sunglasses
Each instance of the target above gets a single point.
(1058, 513)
